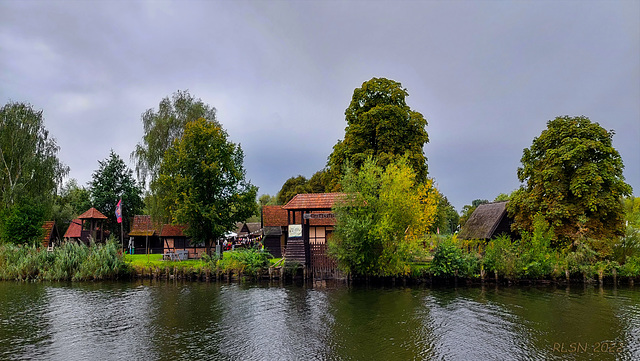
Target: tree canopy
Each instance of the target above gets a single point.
(113, 181)
(29, 164)
(202, 182)
(572, 175)
(383, 218)
(380, 124)
(163, 126)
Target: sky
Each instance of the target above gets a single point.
(487, 76)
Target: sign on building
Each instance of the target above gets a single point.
(295, 231)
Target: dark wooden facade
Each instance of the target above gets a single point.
(313, 212)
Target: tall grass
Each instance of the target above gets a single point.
(69, 262)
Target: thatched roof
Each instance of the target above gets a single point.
(486, 222)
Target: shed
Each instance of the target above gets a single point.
(144, 233)
(174, 239)
(274, 229)
(488, 221)
(50, 236)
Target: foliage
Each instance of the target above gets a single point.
(22, 224)
(629, 245)
(500, 257)
(318, 183)
(164, 126)
(202, 182)
(29, 164)
(291, 187)
(113, 181)
(267, 200)
(70, 262)
(447, 259)
(380, 125)
(446, 217)
(382, 220)
(572, 175)
(536, 256)
(247, 261)
(72, 201)
(468, 209)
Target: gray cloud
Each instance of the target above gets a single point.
(486, 75)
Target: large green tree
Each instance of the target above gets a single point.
(572, 175)
(29, 164)
(202, 182)
(382, 219)
(380, 124)
(71, 201)
(113, 181)
(165, 125)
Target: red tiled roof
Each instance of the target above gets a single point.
(274, 216)
(311, 201)
(142, 226)
(74, 230)
(48, 229)
(92, 214)
(170, 230)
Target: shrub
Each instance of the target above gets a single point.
(244, 261)
(447, 259)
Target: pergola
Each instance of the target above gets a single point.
(94, 216)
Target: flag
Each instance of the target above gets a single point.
(119, 211)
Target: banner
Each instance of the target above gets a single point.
(119, 211)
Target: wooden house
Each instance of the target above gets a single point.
(174, 239)
(274, 229)
(488, 221)
(310, 225)
(145, 235)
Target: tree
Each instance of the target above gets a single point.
(71, 201)
(468, 209)
(381, 125)
(113, 181)
(29, 164)
(161, 128)
(447, 218)
(267, 200)
(571, 175)
(384, 215)
(291, 187)
(202, 182)
(22, 223)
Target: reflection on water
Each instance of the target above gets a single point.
(219, 321)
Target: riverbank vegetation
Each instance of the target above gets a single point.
(533, 257)
(69, 262)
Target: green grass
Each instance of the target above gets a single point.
(155, 260)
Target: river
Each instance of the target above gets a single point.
(169, 320)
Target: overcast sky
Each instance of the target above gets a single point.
(487, 76)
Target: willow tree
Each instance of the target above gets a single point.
(381, 125)
(202, 182)
(572, 175)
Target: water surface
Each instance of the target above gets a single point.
(219, 321)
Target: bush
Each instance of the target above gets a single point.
(244, 261)
(447, 259)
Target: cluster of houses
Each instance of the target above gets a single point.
(298, 230)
